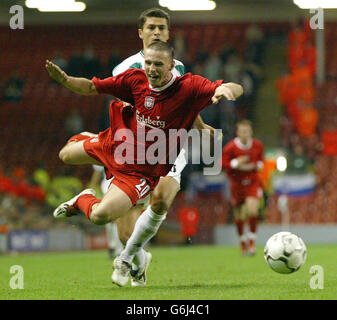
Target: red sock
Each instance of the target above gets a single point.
(78, 137)
(253, 221)
(85, 203)
(240, 226)
(243, 246)
(251, 244)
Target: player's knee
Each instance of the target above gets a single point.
(252, 209)
(162, 197)
(124, 236)
(89, 134)
(64, 156)
(159, 205)
(252, 213)
(99, 216)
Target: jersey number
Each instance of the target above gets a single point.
(142, 188)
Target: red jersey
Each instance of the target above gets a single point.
(189, 218)
(174, 106)
(234, 149)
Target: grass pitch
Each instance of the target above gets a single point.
(176, 273)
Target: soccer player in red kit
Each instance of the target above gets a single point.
(242, 158)
(160, 102)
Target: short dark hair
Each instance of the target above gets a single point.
(153, 12)
(162, 46)
(244, 122)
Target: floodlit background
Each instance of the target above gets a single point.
(289, 74)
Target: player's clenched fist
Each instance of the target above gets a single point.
(230, 91)
(56, 72)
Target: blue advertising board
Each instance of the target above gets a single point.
(26, 240)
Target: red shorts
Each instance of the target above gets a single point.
(242, 191)
(135, 185)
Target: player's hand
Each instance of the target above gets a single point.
(126, 104)
(212, 133)
(242, 159)
(229, 90)
(223, 92)
(56, 72)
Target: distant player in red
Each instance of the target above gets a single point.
(160, 101)
(242, 158)
(189, 217)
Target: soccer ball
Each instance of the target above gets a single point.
(285, 252)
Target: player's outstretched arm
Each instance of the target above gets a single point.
(95, 180)
(242, 163)
(247, 167)
(199, 124)
(81, 86)
(231, 91)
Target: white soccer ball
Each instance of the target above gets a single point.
(285, 252)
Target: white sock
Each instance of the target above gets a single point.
(145, 228)
(112, 236)
(251, 236)
(139, 260)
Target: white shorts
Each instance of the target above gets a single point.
(104, 182)
(178, 166)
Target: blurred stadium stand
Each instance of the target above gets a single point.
(319, 207)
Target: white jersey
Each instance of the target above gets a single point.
(137, 61)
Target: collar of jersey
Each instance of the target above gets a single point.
(160, 89)
(243, 146)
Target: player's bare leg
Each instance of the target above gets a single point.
(147, 226)
(126, 223)
(240, 214)
(115, 202)
(81, 136)
(164, 194)
(75, 154)
(252, 205)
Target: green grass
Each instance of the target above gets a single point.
(196, 272)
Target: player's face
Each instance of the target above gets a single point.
(244, 132)
(158, 65)
(154, 29)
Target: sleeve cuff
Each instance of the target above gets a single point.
(260, 165)
(234, 163)
(95, 81)
(98, 168)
